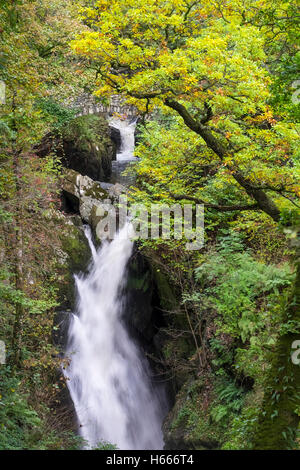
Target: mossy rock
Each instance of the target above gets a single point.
(77, 185)
(84, 145)
(74, 258)
(88, 147)
(188, 425)
(84, 195)
(139, 309)
(166, 294)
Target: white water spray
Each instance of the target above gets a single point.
(108, 376)
(127, 130)
(109, 380)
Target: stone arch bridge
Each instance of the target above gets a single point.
(87, 104)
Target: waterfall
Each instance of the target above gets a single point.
(108, 376)
(109, 379)
(127, 131)
(125, 154)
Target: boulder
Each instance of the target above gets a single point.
(115, 191)
(83, 193)
(105, 185)
(73, 257)
(90, 200)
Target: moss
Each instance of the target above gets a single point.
(139, 277)
(139, 283)
(279, 420)
(76, 246)
(166, 295)
(87, 147)
(180, 348)
(189, 426)
(88, 131)
(74, 258)
(95, 192)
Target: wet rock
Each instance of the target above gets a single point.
(105, 186)
(116, 190)
(139, 289)
(115, 136)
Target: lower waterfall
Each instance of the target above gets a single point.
(108, 377)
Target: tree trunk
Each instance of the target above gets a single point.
(18, 265)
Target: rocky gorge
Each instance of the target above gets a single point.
(149, 294)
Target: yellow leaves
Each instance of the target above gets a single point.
(127, 43)
(105, 90)
(228, 162)
(88, 12)
(153, 48)
(102, 4)
(190, 82)
(87, 42)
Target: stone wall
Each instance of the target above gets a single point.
(87, 104)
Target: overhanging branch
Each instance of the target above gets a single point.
(218, 207)
(264, 203)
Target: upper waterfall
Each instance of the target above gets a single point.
(125, 154)
(127, 131)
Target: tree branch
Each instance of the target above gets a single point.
(236, 207)
(265, 203)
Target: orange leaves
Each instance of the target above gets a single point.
(209, 61)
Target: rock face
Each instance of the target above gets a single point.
(115, 136)
(140, 314)
(89, 199)
(88, 147)
(85, 145)
(72, 257)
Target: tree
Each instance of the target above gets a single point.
(209, 70)
(37, 66)
(208, 64)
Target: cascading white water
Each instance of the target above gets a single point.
(125, 155)
(127, 130)
(108, 376)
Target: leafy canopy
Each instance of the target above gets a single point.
(207, 63)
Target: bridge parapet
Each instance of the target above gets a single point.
(87, 104)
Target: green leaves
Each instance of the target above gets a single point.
(237, 284)
(58, 114)
(17, 418)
